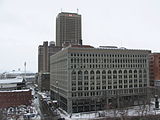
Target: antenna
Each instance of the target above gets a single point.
(61, 9)
(77, 10)
(25, 69)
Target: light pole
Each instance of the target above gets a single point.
(57, 93)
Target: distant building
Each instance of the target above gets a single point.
(44, 53)
(154, 68)
(15, 98)
(12, 84)
(44, 82)
(157, 83)
(13, 74)
(13, 93)
(85, 79)
(68, 29)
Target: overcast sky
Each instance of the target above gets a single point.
(25, 24)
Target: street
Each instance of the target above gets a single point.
(46, 112)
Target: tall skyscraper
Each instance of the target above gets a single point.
(68, 29)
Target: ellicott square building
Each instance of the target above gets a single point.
(84, 78)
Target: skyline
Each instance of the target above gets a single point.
(26, 24)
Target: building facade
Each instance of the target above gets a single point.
(44, 82)
(154, 68)
(44, 53)
(68, 29)
(15, 98)
(12, 84)
(85, 79)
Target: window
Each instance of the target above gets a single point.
(109, 72)
(79, 75)
(73, 88)
(103, 87)
(109, 87)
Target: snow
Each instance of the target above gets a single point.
(23, 90)
(130, 111)
(10, 81)
(54, 101)
(44, 95)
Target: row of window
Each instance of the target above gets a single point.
(109, 82)
(86, 60)
(108, 72)
(74, 66)
(107, 93)
(106, 55)
(104, 87)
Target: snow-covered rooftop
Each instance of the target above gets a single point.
(23, 90)
(10, 81)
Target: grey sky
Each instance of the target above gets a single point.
(24, 24)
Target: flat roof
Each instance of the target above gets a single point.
(23, 90)
(10, 81)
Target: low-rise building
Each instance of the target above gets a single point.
(12, 84)
(15, 98)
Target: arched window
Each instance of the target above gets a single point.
(125, 71)
(86, 72)
(140, 71)
(86, 75)
(73, 72)
(97, 72)
(73, 76)
(144, 71)
(130, 71)
(92, 75)
(79, 72)
(103, 72)
(79, 75)
(109, 72)
(92, 72)
(135, 71)
(120, 71)
(114, 72)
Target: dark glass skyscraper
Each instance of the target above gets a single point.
(68, 29)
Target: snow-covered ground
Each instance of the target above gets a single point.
(130, 111)
(21, 112)
(18, 113)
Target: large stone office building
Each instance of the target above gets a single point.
(84, 78)
(68, 29)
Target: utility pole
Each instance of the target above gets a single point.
(25, 70)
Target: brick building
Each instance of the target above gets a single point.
(15, 98)
(154, 67)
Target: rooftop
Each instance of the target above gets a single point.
(10, 81)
